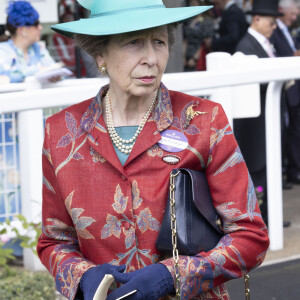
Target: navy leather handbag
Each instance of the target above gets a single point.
(198, 223)
(198, 226)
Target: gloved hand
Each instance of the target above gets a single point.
(91, 278)
(151, 282)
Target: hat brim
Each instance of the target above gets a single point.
(128, 21)
(264, 13)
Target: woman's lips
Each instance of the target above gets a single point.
(147, 79)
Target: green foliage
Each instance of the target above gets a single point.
(29, 227)
(27, 234)
(5, 256)
(18, 284)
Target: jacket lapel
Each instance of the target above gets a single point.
(98, 138)
(102, 143)
(284, 39)
(93, 123)
(161, 119)
(260, 51)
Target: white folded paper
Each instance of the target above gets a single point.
(54, 70)
(103, 288)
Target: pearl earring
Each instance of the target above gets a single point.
(102, 69)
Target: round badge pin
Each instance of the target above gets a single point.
(173, 141)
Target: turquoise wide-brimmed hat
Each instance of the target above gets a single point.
(119, 16)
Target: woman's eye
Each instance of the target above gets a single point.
(133, 42)
(160, 42)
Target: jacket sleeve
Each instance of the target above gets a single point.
(58, 246)
(245, 241)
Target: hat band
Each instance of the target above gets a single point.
(124, 10)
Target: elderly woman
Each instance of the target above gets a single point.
(22, 55)
(106, 167)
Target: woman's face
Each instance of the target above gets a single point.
(136, 61)
(32, 33)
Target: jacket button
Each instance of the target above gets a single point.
(126, 226)
(123, 177)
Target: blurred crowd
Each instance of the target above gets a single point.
(24, 51)
(221, 28)
(267, 29)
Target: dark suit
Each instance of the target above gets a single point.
(283, 49)
(292, 96)
(281, 44)
(250, 132)
(233, 26)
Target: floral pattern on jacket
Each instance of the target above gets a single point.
(97, 211)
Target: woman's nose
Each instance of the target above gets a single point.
(149, 54)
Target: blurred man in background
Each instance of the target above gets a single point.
(232, 27)
(285, 46)
(250, 132)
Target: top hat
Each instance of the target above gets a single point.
(265, 8)
(120, 16)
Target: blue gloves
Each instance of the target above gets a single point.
(91, 278)
(151, 282)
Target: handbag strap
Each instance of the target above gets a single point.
(174, 242)
(174, 234)
(247, 286)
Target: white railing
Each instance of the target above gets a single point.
(224, 74)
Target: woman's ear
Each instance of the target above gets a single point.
(101, 64)
(21, 31)
(100, 60)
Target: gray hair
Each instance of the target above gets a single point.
(96, 45)
(286, 4)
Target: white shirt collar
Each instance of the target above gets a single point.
(258, 36)
(228, 4)
(263, 41)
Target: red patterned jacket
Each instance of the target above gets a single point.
(95, 210)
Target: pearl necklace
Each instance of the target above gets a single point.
(116, 139)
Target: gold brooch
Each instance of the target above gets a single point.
(190, 114)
